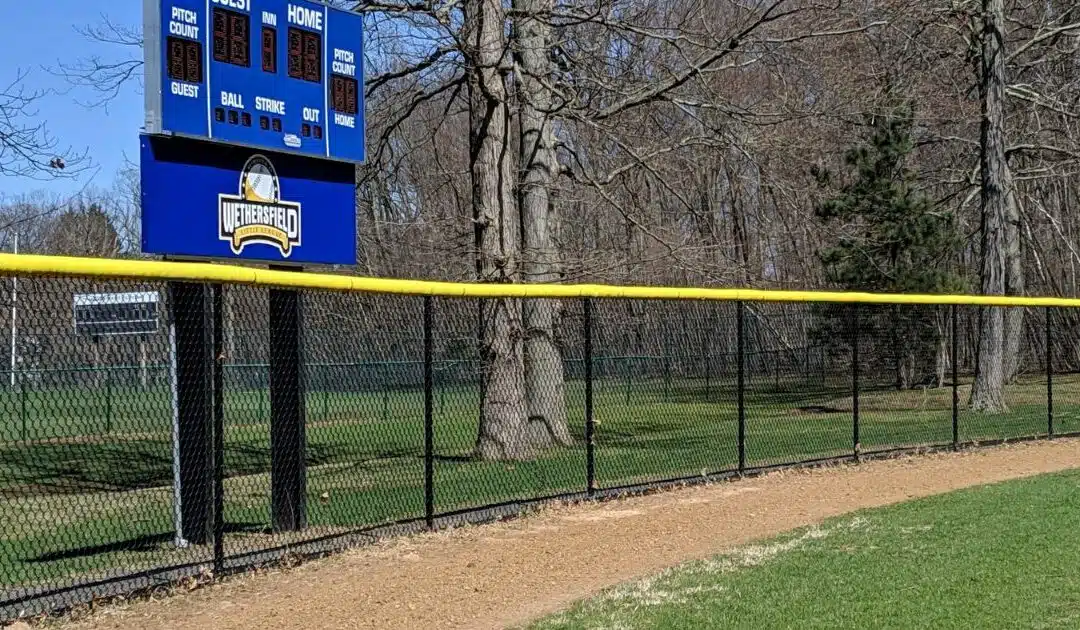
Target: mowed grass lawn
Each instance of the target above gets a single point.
(998, 556)
(85, 495)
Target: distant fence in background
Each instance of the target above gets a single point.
(108, 409)
(662, 386)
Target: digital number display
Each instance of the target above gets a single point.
(269, 49)
(343, 97)
(231, 37)
(305, 55)
(185, 60)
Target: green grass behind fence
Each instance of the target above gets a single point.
(75, 501)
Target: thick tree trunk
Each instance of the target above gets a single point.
(1014, 281)
(988, 391)
(544, 383)
(503, 419)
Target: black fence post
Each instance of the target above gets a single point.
(385, 373)
(22, 404)
(191, 312)
(590, 425)
(955, 376)
(740, 386)
(326, 393)
(705, 346)
(108, 401)
(429, 416)
(1049, 379)
(855, 381)
(288, 439)
(440, 385)
(667, 373)
(219, 433)
(824, 367)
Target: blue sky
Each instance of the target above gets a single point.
(39, 35)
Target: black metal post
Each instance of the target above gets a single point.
(429, 416)
(590, 426)
(219, 432)
(191, 307)
(1049, 379)
(288, 475)
(108, 401)
(386, 380)
(740, 386)
(824, 367)
(667, 373)
(325, 382)
(806, 365)
(855, 381)
(705, 346)
(22, 405)
(955, 377)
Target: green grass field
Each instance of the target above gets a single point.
(998, 556)
(82, 494)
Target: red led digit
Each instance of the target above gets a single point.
(296, 46)
(269, 49)
(232, 43)
(184, 61)
(221, 36)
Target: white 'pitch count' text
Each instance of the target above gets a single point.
(303, 16)
(243, 5)
(344, 62)
(184, 23)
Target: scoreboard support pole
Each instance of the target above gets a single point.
(288, 439)
(191, 306)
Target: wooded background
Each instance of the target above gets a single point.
(886, 145)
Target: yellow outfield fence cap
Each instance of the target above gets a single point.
(105, 268)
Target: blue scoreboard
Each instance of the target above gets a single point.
(279, 75)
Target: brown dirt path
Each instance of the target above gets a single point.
(509, 573)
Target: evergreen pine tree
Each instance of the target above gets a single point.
(890, 239)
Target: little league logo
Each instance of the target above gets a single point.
(257, 214)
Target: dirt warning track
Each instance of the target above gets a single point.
(506, 574)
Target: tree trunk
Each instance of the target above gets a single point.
(503, 417)
(1014, 281)
(544, 383)
(988, 391)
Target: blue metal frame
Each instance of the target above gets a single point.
(206, 109)
(205, 200)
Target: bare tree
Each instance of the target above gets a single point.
(504, 420)
(105, 77)
(27, 149)
(670, 141)
(544, 383)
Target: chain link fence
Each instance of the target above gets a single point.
(116, 476)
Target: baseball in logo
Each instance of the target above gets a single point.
(257, 214)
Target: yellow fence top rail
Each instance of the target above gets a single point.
(105, 268)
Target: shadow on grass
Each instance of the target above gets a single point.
(758, 394)
(151, 542)
(678, 430)
(138, 465)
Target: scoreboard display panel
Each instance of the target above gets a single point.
(280, 75)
